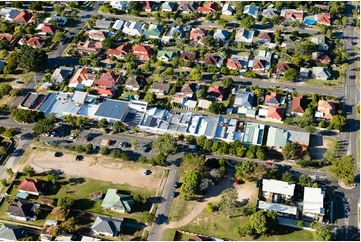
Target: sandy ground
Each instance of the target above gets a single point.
(97, 168)
(246, 192)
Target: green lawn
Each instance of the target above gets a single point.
(80, 189)
(168, 235)
(328, 84)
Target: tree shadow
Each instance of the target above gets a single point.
(83, 204)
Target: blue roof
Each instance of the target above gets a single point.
(48, 102)
(112, 109)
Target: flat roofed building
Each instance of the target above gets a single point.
(112, 110)
(280, 208)
(253, 134)
(313, 201)
(270, 187)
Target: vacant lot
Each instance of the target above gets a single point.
(97, 168)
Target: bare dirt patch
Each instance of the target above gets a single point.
(97, 168)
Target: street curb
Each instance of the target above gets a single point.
(344, 186)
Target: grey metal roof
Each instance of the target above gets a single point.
(10, 232)
(48, 102)
(107, 225)
(244, 98)
(112, 109)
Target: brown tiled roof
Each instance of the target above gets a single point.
(282, 66)
(257, 64)
(216, 91)
(189, 55)
(210, 59)
(298, 105)
(34, 42)
(31, 185)
(107, 80)
(265, 35)
(234, 63)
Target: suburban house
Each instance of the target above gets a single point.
(243, 101)
(24, 17)
(321, 73)
(214, 60)
(275, 114)
(265, 37)
(282, 67)
(321, 43)
(210, 7)
(12, 233)
(142, 52)
(292, 15)
(35, 42)
(61, 21)
(174, 30)
(216, 92)
(227, 9)
(269, 12)
(133, 84)
(244, 36)
(32, 186)
(321, 57)
(148, 6)
(168, 6)
(9, 37)
(304, 73)
(179, 98)
(121, 5)
(313, 204)
(167, 55)
(187, 7)
(133, 28)
(89, 47)
(325, 109)
(278, 138)
(107, 226)
(324, 18)
(189, 55)
(82, 78)
(154, 31)
(160, 88)
(197, 35)
(121, 51)
(203, 104)
(251, 10)
(237, 62)
(262, 62)
(189, 89)
(106, 84)
(46, 29)
(253, 134)
(9, 14)
(221, 35)
(98, 35)
(274, 196)
(298, 106)
(118, 25)
(103, 24)
(117, 202)
(22, 210)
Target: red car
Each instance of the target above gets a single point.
(110, 142)
(268, 164)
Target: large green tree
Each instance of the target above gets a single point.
(192, 162)
(31, 58)
(291, 151)
(291, 74)
(344, 169)
(190, 186)
(229, 201)
(165, 144)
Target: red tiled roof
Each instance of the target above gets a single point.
(102, 91)
(323, 57)
(97, 34)
(81, 75)
(234, 64)
(282, 67)
(197, 33)
(324, 18)
(143, 52)
(291, 13)
(275, 112)
(328, 108)
(121, 49)
(216, 91)
(107, 80)
(24, 17)
(274, 96)
(47, 28)
(209, 7)
(31, 185)
(257, 64)
(34, 42)
(7, 37)
(297, 105)
(210, 59)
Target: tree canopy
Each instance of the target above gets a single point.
(165, 144)
(291, 151)
(229, 201)
(31, 58)
(291, 74)
(344, 169)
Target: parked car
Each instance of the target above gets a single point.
(146, 148)
(53, 134)
(176, 185)
(146, 172)
(173, 194)
(110, 142)
(125, 144)
(58, 154)
(79, 157)
(268, 164)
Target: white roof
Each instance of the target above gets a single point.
(313, 200)
(263, 112)
(279, 187)
(118, 24)
(190, 103)
(277, 207)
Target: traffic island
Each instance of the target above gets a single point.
(346, 186)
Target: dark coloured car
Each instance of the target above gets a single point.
(176, 185)
(110, 142)
(58, 154)
(125, 144)
(146, 148)
(79, 157)
(173, 194)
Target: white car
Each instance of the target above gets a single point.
(72, 137)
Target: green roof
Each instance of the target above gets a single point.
(116, 201)
(276, 137)
(169, 54)
(154, 30)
